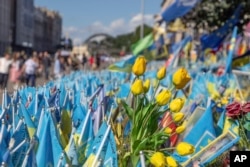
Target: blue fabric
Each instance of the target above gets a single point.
(177, 9)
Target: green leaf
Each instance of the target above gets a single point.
(248, 116)
(128, 109)
(140, 116)
(141, 146)
(140, 101)
(247, 126)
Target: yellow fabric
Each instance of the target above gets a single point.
(228, 125)
(66, 125)
(64, 141)
(89, 161)
(31, 132)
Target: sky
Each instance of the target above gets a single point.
(82, 18)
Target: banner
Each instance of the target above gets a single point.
(178, 8)
(214, 39)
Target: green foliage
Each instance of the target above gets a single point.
(126, 40)
(213, 14)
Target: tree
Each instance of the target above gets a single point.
(212, 14)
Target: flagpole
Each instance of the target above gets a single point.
(101, 145)
(84, 126)
(142, 159)
(142, 21)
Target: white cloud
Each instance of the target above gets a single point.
(116, 27)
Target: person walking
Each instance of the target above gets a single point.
(46, 64)
(5, 63)
(59, 67)
(30, 68)
(15, 71)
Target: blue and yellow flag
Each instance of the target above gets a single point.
(49, 150)
(216, 38)
(96, 145)
(124, 65)
(27, 118)
(200, 135)
(110, 158)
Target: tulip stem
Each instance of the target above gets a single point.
(167, 149)
(157, 85)
(243, 132)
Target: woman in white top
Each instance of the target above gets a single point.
(5, 63)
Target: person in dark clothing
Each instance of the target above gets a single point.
(46, 64)
(74, 62)
(98, 60)
(84, 60)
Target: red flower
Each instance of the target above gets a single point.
(233, 109)
(246, 107)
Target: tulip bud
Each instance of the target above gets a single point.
(180, 129)
(137, 87)
(176, 105)
(171, 162)
(161, 73)
(139, 66)
(168, 130)
(181, 78)
(163, 97)
(146, 85)
(185, 149)
(178, 117)
(158, 159)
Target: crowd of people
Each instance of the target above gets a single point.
(20, 69)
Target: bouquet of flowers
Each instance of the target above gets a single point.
(239, 114)
(143, 116)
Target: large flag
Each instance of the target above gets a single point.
(125, 65)
(228, 67)
(142, 44)
(178, 8)
(216, 38)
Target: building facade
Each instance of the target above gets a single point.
(39, 43)
(48, 26)
(5, 25)
(24, 25)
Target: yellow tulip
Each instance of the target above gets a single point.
(168, 130)
(146, 85)
(161, 73)
(224, 101)
(176, 105)
(137, 87)
(139, 66)
(178, 117)
(185, 149)
(180, 129)
(163, 97)
(158, 160)
(181, 78)
(171, 162)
